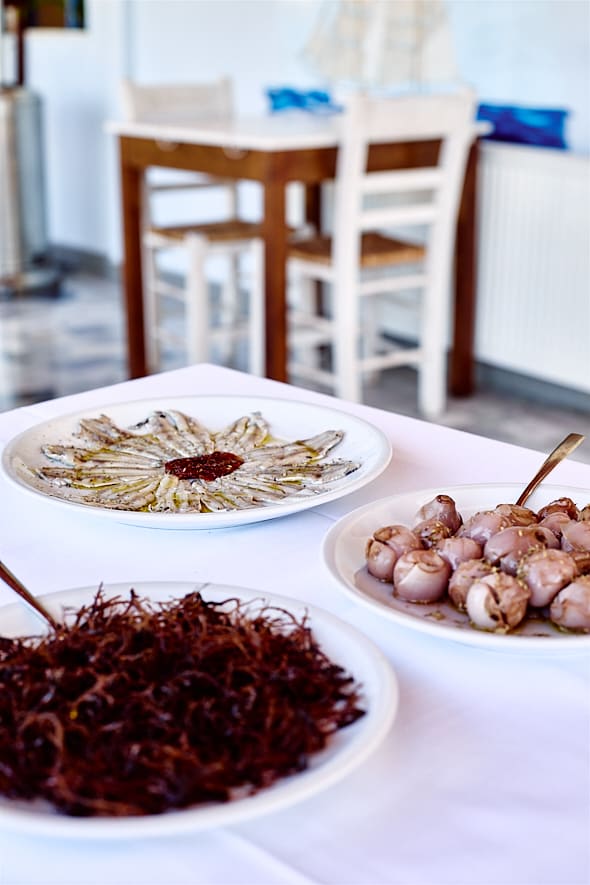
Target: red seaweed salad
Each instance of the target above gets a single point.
(136, 708)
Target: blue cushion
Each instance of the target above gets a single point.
(317, 101)
(538, 126)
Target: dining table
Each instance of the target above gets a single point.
(482, 776)
(276, 150)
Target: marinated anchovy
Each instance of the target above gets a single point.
(179, 433)
(245, 434)
(170, 462)
(101, 430)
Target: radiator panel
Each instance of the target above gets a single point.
(533, 284)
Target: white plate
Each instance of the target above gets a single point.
(344, 554)
(289, 420)
(348, 748)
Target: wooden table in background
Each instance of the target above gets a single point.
(276, 151)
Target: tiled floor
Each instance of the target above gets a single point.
(51, 347)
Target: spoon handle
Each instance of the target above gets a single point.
(12, 581)
(565, 447)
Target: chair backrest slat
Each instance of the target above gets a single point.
(375, 219)
(401, 180)
(412, 117)
(171, 101)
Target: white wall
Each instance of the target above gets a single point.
(520, 51)
(257, 42)
(77, 74)
(530, 52)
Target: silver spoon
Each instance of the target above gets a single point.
(39, 609)
(565, 447)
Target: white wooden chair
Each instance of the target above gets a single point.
(367, 260)
(231, 237)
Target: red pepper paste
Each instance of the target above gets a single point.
(205, 467)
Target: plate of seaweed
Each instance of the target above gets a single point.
(159, 708)
(199, 462)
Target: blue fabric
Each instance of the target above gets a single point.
(316, 101)
(537, 126)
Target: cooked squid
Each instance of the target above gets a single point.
(431, 532)
(463, 577)
(457, 550)
(385, 547)
(571, 606)
(497, 602)
(560, 505)
(497, 565)
(545, 573)
(575, 536)
(380, 560)
(517, 515)
(508, 546)
(398, 537)
(555, 522)
(481, 526)
(442, 508)
(421, 576)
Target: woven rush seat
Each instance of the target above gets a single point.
(377, 250)
(215, 231)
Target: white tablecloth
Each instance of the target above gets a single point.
(485, 775)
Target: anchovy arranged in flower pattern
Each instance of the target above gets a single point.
(170, 462)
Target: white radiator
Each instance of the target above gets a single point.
(533, 284)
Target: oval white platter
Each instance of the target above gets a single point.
(289, 420)
(347, 749)
(344, 555)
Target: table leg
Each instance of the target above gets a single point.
(275, 279)
(313, 205)
(313, 216)
(461, 373)
(131, 191)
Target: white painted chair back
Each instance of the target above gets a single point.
(169, 102)
(408, 199)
